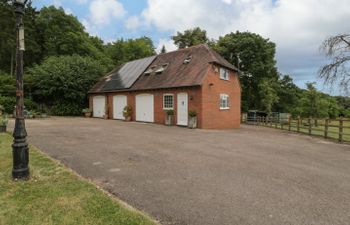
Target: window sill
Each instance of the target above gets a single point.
(224, 108)
(224, 79)
(165, 109)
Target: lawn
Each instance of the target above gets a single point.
(55, 195)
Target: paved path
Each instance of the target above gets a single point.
(181, 176)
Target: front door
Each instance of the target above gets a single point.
(182, 109)
(119, 103)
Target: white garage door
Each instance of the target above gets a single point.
(119, 103)
(99, 106)
(145, 108)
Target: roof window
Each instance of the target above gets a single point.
(150, 70)
(162, 68)
(188, 60)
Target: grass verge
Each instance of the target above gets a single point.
(55, 195)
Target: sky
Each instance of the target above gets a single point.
(298, 27)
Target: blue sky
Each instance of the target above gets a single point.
(298, 27)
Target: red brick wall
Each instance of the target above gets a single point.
(194, 102)
(213, 86)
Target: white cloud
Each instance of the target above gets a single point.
(169, 45)
(102, 12)
(132, 23)
(298, 27)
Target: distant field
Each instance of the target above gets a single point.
(318, 128)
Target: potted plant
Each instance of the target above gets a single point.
(192, 122)
(87, 112)
(127, 112)
(169, 118)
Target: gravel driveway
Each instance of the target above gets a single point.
(181, 176)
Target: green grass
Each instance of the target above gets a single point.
(55, 195)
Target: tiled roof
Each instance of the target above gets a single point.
(176, 73)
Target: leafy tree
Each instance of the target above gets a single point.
(8, 37)
(122, 51)
(268, 95)
(62, 82)
(288, 94)
(337, 49)
(190, 38)
(255, 57)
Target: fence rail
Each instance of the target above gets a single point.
(336, 129)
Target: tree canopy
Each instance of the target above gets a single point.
(255, 58)
(62, 82)
(190, 38)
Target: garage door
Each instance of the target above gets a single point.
(119, 103)
(145, 108)
(99, 106)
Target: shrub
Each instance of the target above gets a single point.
(192, 113)
(170, 112)
(127, 111)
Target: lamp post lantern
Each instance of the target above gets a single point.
(20, 152)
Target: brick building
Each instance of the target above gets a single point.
(195, 78)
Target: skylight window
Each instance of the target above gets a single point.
(150, 70)
(162, 68)
(188, 60)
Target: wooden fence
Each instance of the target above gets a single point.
(336, 129)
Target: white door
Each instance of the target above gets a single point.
(182, 109)
(119, 103)
(145, 108)
(99, 106)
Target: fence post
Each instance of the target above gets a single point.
(310, 125)
(289, 122)
(326, 128)
(298, 124)
(341, 129)
(276, 122)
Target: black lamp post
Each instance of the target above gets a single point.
(20, 146)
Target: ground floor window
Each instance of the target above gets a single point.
(224, 101)
(168, 101)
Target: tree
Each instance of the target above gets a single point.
(190, 38)
(8, 37)
(268, 95)
(61, 82)
(288, 94)
(337, 49)
(163, 50)
(255, 57)
(122, 51)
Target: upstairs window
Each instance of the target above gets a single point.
(224, 101)
(224, 74)
(168, 101)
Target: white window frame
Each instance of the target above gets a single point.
(224, 105)
(168, 108)
(224, 74)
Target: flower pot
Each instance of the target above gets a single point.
(192, 122)
(169, 120)
(2, 128)
(88, 114)
(127, 118)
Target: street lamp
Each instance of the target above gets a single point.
(20, 152)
